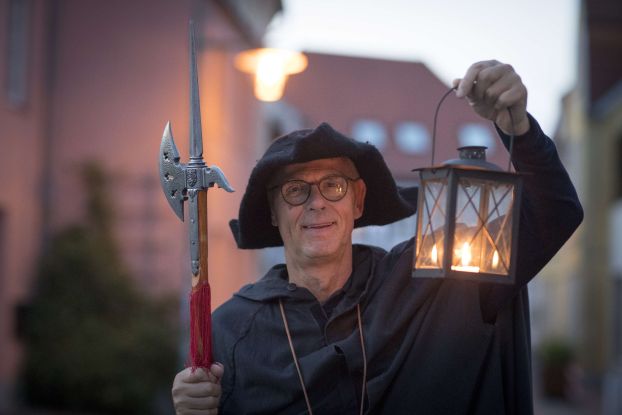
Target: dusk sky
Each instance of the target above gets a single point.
(539, 38)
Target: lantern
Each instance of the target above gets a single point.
(467, 221)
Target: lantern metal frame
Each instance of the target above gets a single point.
(472, 165)
(451, 175)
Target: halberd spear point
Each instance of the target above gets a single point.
(189, 183)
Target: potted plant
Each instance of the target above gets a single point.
(556, 356)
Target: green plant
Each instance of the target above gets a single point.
(555, 351)
(94, 341)
(555, 357)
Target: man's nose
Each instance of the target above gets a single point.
(316, 200)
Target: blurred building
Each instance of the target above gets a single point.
(91, 80)
(98, 80)
(584, 292)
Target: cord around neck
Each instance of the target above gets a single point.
(301, 379)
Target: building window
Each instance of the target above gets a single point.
(370, 131)
(476, 134)
(412, 138)
(17, 52)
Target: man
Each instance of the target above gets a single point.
(342, 329)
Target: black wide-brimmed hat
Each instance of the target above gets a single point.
(383, 202)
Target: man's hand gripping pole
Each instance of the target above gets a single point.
(190, 182)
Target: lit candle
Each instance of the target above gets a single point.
(495, 259)
(465, 260)
(434, 255)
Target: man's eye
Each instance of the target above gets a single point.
(293, 188)
(331, 183)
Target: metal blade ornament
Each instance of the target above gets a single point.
(189, 183)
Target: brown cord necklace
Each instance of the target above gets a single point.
(302, 383)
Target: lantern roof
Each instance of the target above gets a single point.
(470, 158)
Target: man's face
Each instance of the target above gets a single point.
(318, 229)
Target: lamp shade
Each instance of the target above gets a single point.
(270, 67)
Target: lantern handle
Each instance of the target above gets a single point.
(511, 139)
(438, 107)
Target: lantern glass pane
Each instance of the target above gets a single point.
(483, 237)
(431, 224)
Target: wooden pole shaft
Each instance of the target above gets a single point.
(203, 246)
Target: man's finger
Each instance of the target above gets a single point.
(190, 403)
(494, 72)
(508, 98)
(471, 80)
(202, 390)
(197, 412)
(466, 84)
(492, 87)
(195, 390)
(199, 375)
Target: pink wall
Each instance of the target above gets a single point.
(121, 76)
(121, 73)
(21, 153)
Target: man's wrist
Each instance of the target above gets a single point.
(521, 128)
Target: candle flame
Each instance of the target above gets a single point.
(495, 259)
(434, 255)
(465, 260)
(465, 254)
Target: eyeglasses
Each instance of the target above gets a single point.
(332, 188)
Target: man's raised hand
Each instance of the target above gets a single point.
(491, 87)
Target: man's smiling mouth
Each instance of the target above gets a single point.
(318, 225)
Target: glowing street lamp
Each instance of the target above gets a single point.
(270, 68)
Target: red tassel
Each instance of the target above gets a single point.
(200, 327)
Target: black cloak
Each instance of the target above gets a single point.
(433, 347)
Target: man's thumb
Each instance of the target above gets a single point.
(216, 371)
